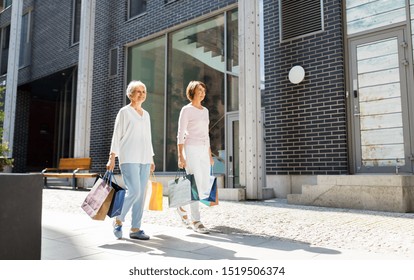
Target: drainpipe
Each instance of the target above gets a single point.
(12, 74)
(85, 73)
(251, 142)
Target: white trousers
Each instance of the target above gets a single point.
(197, 159)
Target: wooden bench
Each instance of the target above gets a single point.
(70, 168)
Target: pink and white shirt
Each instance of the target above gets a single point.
(193, 126)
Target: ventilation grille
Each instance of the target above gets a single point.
(300, 17)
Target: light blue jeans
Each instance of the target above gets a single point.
(135, 176)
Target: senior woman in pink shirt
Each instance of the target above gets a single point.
(194, 153)
(132, 144)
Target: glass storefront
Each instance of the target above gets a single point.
(206, 51)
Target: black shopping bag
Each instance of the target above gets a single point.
(117, 202)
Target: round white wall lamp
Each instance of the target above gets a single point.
(296, 74)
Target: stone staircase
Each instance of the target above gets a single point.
(392, 193)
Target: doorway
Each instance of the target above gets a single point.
(379, 103)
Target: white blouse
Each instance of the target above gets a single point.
(131, 140)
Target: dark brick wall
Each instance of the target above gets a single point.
(51, 39)
(305, 124)
(113, 29)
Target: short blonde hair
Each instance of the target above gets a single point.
(132, 86)
(192, 87)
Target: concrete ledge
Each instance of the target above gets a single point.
(236, 194)
(268, 193)
(392, 193)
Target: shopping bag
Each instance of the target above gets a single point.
(182, 190)
(154, 194)
(98, 200)
(212, 198)
(118, 198)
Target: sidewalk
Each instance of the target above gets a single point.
(271, 230)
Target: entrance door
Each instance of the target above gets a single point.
(232, 150)
(378, 100)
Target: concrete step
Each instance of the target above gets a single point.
(393, 193)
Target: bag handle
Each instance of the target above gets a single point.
(106, 176)
(112, 177)
(152, 176)
(181, 172)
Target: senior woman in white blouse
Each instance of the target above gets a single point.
(193, 145)
(132, 144)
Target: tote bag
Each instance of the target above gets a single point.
(118, 198)
(99, 198)
(182, 190)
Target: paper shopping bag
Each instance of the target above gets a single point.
(182, 190)
(98, 200)
(118, 198)
(156, 198)
(212, 198)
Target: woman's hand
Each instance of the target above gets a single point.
(211, 161)
(110, 165)
(181, 162)
(152, 167)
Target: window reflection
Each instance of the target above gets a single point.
(196, 52)
(146, 63)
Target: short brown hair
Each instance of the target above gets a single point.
(191, 89)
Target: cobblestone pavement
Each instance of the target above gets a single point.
(370, 231)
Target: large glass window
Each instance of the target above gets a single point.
(232, 61)
(146, 62)
(200, 51)
(196, 53)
